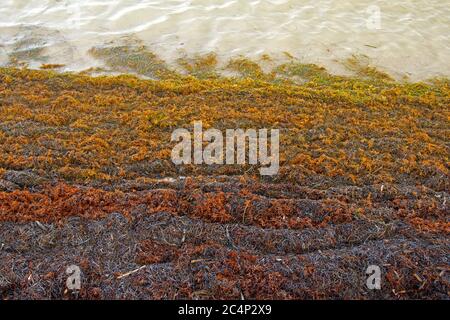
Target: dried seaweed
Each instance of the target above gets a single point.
(86, 178)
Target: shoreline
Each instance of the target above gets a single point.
(139, 60)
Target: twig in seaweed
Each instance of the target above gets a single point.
(130, 272)
(183, 239)
(245, 210)
(40, 225)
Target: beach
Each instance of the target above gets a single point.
(87, 179)
(136, 139)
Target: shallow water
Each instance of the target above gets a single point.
(411, 38)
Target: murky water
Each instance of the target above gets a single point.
(403, 37)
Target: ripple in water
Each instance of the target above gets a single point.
(411, 37)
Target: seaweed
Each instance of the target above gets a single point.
(133, 59)
(86, 178)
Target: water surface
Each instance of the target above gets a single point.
(412, 37)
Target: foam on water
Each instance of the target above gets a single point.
(412, 38)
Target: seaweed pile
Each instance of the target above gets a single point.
(86, 178)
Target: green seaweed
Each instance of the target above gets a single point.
(360, 65)
(133, 59)
(200, 66)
